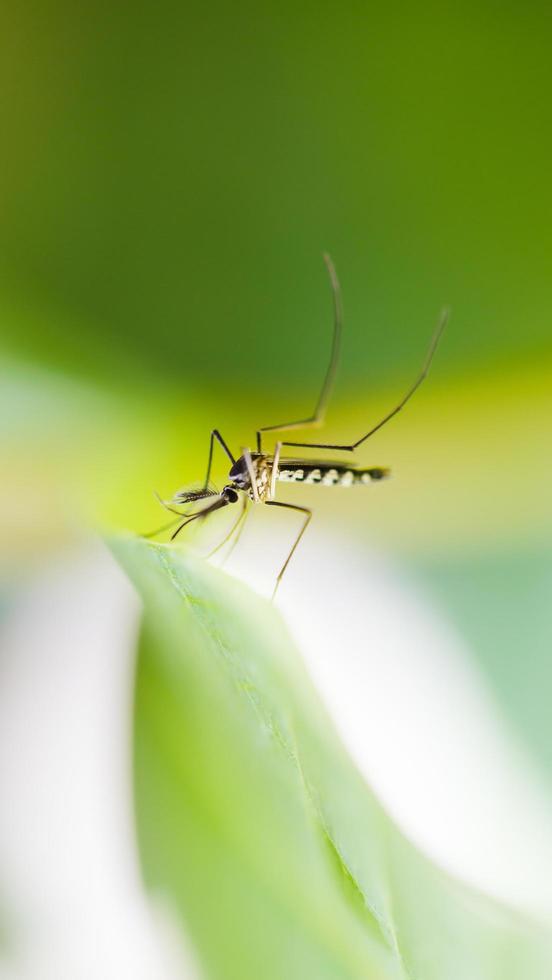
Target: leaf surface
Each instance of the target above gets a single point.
(255, 823)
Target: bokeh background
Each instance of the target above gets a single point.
(170, 179)
(170, 176)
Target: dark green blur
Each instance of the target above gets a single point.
(172, 172)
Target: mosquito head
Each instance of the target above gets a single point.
(230, 495)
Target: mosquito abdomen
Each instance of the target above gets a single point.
(329, 475)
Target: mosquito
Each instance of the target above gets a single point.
(254, 475)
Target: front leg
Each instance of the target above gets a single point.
(164, 527)
(215, 434)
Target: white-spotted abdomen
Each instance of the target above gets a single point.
(328, 474)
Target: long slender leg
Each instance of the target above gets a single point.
(167, 506)
(159, 530)
(219, 501)
(251, 472)
(187, 516)
(274, 473)
(317, 416)
(215, 434)
(422, 375)
(164, 527)
(232, 530)
(308, 516)
(239, 529)
(181, 526)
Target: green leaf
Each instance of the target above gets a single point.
(255, 823)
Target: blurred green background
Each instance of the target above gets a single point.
(172, 172)
(170, 177)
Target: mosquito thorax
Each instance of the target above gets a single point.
(239, 474)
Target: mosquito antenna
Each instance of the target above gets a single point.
(183, 497)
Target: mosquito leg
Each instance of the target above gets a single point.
(238, 534)
(394, 411)
(165, 527)
(187, 517)
(232, 531)
(274, 473)
(192, 517)
(201, 515)
(251, 471)
(215, 434)
(308, 516)
(167, 506)
(317, 416)
(179, 529)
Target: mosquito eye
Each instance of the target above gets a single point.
(230, 495)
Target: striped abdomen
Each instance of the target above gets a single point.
(328, 474)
